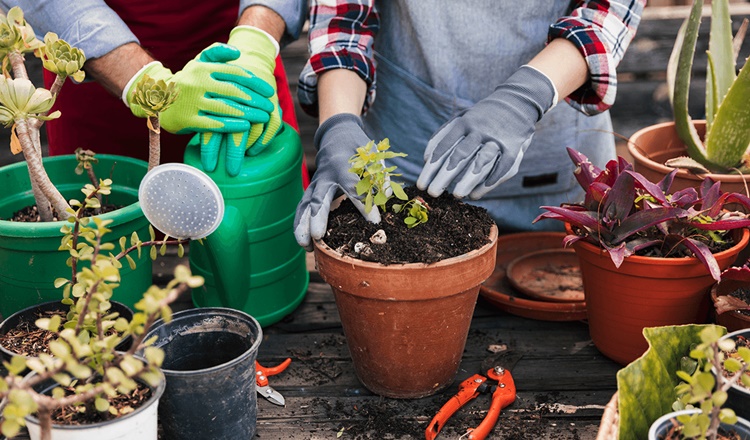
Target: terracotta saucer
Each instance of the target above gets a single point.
(547, 275)
(498, 291)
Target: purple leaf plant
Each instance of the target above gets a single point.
(624, 213)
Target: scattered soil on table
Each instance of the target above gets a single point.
(27, 339)
(30, 214)
(453, 228)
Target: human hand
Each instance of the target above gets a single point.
(258, 52)
(483, 147)
(337, 139)
(213, 96)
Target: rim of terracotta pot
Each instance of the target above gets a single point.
(416, 285)
(651, 164)
(731, 316)
(639, 260)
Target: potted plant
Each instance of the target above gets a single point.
(29, 249)
(715, 146)
(405, 322)
(677, 373)
(731, 300)
(738, 394)
(85, 379)
(648, 257)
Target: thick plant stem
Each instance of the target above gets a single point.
(154, 148)
(37, 171)
(36, 124)
(18, 65)
(43, 205)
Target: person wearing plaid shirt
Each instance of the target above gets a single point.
(469, 90)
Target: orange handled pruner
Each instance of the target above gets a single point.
(503, 394)
(261, 381)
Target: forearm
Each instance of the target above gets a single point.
(114, 69)
(265, 19)
(291, 12)
(563, 64)
(340, 91)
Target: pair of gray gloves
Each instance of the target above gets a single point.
(478, 150)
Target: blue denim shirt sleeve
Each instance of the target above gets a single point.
(294, 13)
(87, 24)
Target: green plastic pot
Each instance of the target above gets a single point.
(29, 257)
(252, 262)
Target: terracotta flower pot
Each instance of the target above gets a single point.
(644, 292)
(655, 144)
(733, 320)
(406, 324)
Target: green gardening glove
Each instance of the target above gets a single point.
(213, 96)
(258, 55)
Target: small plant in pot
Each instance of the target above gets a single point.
(717, 145)
(648, 257)
(405, 318)
(700, 411)
(731, 297)
(85, 379)
(41, 186)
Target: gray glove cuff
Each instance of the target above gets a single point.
(534, 86)
(341, 121)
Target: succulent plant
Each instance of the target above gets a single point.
(724, 147)
(19, 99)
(624, 213)
(61, 58)
(154, 96)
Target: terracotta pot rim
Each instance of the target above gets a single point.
(322, 247)
(639, 157)
(639, 259)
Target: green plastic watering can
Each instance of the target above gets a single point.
(251, 261)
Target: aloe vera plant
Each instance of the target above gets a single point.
(724, 147)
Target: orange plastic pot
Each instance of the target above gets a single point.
(651, 146)
(644, 292)
(406, 324)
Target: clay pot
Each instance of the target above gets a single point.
(733, 320)
(406, 324)
(644, 292)
(655, 144)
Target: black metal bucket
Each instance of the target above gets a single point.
(209, 364)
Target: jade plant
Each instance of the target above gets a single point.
(84, 363)
(724, 146)
(717, 364)
(24, 107)
(626, 214)
(154, 97)
(377, 186)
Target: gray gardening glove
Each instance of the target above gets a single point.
(337, 139)
(483, 147)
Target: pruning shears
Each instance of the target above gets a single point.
(498, 381)
(261, 381)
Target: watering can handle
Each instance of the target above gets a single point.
(229, 253)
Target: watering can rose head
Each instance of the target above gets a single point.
(625, 213)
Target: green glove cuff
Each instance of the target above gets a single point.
(155, 70)
(258, 51)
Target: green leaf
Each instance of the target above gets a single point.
(398, 191)
(730, 132)
(646, 385)
(101, 404)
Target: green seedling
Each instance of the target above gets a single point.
(416, 211)
(375, 178)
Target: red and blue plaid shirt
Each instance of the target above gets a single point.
(341, 36)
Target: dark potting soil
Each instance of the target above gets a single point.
(123, 403)
(453, 228)
(26, 339)
(30, 214)
(742, 294)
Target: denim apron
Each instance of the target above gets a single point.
(437, 58)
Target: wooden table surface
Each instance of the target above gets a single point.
(563, 382)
